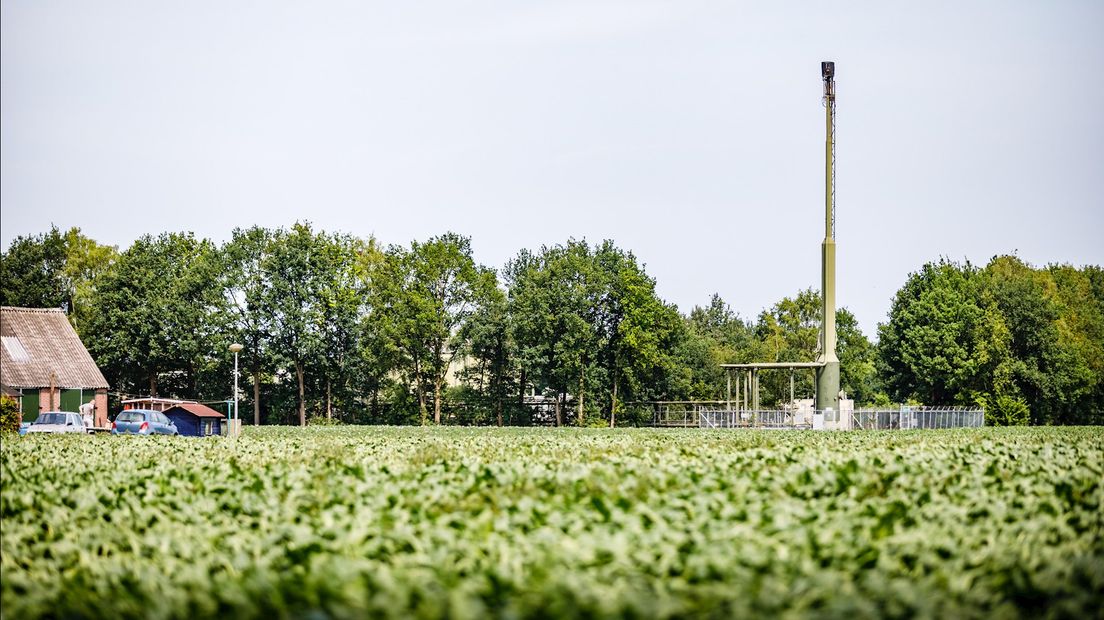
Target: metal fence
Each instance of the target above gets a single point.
(746, 418)
(680, 413)
(862, 419)
(918, 417)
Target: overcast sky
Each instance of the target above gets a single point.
(691, 133)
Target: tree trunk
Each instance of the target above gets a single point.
(256, 396)
(613, 403)
(437, 399)
(582, 370)
(153, 384)
(421, 391)
(559, 410)
(498, 405)
(302, 400)
(329, 401)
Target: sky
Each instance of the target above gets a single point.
(691, 133)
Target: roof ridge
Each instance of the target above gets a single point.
(21, 309)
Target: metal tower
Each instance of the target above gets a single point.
(828, 374)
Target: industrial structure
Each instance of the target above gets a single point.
(830, 409)
(828, 373)
(827, 365)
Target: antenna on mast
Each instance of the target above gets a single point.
(828, 374)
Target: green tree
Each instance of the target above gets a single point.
(1025, 343)
(587, 322)
(31, 271)
(153, 326)
(54, 269)
(637, 333)
(427, 295)
(492, 351)
(85, 262)
(943, 339)
(717, 335)
(343, 304)
(552, 298)
(312, 302)
(247, 289)
(1050, 351)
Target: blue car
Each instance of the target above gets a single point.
(142, 422)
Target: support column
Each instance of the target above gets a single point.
(728, 389)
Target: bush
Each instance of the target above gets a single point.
(9, 415)
(1005, 410)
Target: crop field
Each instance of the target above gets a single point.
(516, 523)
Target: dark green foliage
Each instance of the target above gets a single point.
(787, 332)
(10, 417)
(31, 270)
(156, 325)
(334, 326)
(52, 270)
(1010, 337)
(588, 326)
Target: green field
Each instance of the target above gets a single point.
(445, 522)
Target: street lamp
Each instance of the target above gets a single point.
(235, 349)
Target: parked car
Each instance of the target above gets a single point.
(142, 422)
(57, 422)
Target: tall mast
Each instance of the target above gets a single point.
(828, 375)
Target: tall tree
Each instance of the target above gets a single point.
(587, 322)
(432, 291)
(343, 303)
(552, 298)
(492, 351)
(31, 271)
(637, 333)
(248, 290)
(309, 274)
(85, 262)
(154, 323)
(942, 336)
(54, 269)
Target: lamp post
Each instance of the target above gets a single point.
(235, 349)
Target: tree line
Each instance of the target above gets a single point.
(338, 327)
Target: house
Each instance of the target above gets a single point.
(44, 361)
(195, 420)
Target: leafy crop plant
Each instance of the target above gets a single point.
(350, 522)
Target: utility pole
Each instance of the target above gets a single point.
(828, 374)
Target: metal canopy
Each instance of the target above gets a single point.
(758, 365)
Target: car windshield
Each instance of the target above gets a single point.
(130, 416)
(51, 418)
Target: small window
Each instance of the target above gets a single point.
(15, 349)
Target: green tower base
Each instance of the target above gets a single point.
(828, 387)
